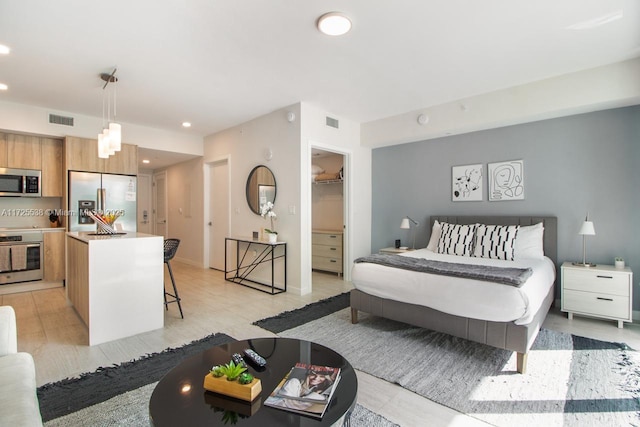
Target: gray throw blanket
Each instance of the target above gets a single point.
(503, 275)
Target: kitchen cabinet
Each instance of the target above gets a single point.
(54, 255)
(3, 150)
(327, 251)
(51, 167)
(24, 152)
(81, 154)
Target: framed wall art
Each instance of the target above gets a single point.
(466, 183)
(506, 180)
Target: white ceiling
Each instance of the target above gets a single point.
(218, 63)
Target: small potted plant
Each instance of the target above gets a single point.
(232, 380)
(266, 211)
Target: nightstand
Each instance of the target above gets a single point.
(391, 251)
(601, 291)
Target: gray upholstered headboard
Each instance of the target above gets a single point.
(550, 223)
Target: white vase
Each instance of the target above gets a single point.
(273, 238)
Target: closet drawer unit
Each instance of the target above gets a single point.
(327, 251)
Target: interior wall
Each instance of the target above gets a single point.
(185, 209)
(327, 200)
(572, 165)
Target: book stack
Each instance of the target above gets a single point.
(306, 389)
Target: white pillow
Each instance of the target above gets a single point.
(495, 241)
(316, 170)
(529, 243)
(457, 239)
(436, 230)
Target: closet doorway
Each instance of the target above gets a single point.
(327, 214)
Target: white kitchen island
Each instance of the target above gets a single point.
(116, 283)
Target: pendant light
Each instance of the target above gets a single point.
(110, 139)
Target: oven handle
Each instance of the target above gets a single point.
(29, 245)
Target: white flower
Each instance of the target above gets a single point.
(266, 211)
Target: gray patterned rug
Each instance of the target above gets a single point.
(571, 381)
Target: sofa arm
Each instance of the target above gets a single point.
(8, 332)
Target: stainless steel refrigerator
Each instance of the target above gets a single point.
(105, 192)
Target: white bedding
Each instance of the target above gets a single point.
(461, 297)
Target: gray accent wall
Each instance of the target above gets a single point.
(572, 165)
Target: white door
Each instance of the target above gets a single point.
(160, 204)
(219, 212)
(144, 204)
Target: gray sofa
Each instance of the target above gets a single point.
(18, 399)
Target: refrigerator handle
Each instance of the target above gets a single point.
(102, 197)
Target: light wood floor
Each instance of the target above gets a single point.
(52, 332)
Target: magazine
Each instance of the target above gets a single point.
(306, 389)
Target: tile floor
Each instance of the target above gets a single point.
(50, 330)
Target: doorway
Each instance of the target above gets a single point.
(145, 198)
(218, 223)
(160, 225)
(328, 239)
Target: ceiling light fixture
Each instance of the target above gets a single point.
(146, 162)
(3, 86)
(334, 24)
(4, 50)
(110, 139)
(186, 124)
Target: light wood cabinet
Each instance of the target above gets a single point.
(3, 150)
(54, 256)
(81, 154)
(51, 167)
(326, 251)
(24, 152)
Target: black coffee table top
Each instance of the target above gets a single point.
(180, 399)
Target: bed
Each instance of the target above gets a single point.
(511, 326)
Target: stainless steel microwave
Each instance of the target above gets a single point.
(20, 182)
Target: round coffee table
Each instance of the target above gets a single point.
(180, 399)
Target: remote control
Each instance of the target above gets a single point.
(238, 360)
(255, 357)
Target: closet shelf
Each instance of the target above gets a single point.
(328, 181)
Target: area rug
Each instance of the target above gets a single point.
(570, 381)
(72, 394)
(131, 409)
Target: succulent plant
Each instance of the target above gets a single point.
(245, 378)
(232, 371)
(216, 371)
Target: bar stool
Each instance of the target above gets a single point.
(170, 249)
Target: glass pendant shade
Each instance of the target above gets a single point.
(115, 137)
(103, 144)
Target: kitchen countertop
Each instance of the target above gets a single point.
(25, 229)
(85, 236)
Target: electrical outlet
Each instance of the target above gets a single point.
(292, 210)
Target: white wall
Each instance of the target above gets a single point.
(30, 119)
(610, 86)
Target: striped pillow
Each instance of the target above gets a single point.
(495, 241)
(456, 239)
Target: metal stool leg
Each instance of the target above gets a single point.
(175, 290)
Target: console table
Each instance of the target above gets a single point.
(251, 254)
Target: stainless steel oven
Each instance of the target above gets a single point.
(21, 256)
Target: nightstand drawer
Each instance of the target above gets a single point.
(597, 304)
(327, 264)
(327, 251)
(608, 282)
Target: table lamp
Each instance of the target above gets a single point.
(587, 229)
(406, 225)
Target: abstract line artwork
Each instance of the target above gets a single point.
(466, 183)
(506, 181)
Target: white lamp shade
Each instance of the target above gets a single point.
(405, 224)
(115, 137)
(587, 229)
(103, 144)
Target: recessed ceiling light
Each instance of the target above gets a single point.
(4, 50)
(334, 24)
(145, 161)
(186, 124)
(3, 86)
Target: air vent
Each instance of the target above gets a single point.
(60, 120)
(333, 122)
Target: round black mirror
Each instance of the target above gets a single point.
(261, 188)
